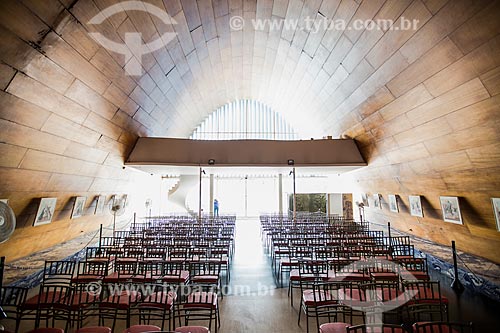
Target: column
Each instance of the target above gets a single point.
(211, 203)
(280, 193)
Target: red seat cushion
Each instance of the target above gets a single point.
(433, 328)
(47, 330)
(33, 302)
(208, 279)
(294, 275)
(158, 300)
(94, 329)
(122, 302)
(192, 329)
(333, 328)
(181, 278)
(142, 328)
(385, 276)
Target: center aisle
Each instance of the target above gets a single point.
(253, 304)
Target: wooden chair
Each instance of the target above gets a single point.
(323, 300)
(424, 301)
(116, 303)
(158, 305)
(11, 301)
(200, 306)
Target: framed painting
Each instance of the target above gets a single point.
(376, 201)
(496, 210)
(393, 203)
(451, 209)
(45, 212)
(78, 207)
(416, 206)
(99, 207)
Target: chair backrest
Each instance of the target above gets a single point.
(383, 292)
(13, 296)
(423, 290)
(58, 272)
(11, 299)
(376, 328)
(313, 268)
(205, 268)
(95, 268)
(443, 327)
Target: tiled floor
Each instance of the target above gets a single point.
(254, 304)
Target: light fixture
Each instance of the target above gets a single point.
(211, 161)
(291, 162)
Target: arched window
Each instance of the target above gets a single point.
(244, 120)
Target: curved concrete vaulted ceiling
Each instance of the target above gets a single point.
(422, 103)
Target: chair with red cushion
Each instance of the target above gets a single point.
(200, 306)
(116, 303)
(142, 329)
(443, 327)
(424, 301)
(94, 329)
(11, 300)
(156, 303)
(323, 300)
(383, 299)
(206, 274)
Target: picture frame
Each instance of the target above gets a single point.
(416, 206)
(495, 202)
(78, 207)
(99, 207)
(376, 201)
(393, 203)
(450, 208)
(45, 212)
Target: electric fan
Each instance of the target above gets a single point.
(7, 222)
(116, 207)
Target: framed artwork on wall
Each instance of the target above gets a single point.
(416, 206)
(99, 207)
(376, 201)
(393, 203)
(496, 210)
(45, 212)
(78, 207)
(451, 209)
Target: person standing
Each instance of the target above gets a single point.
(216, 207)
